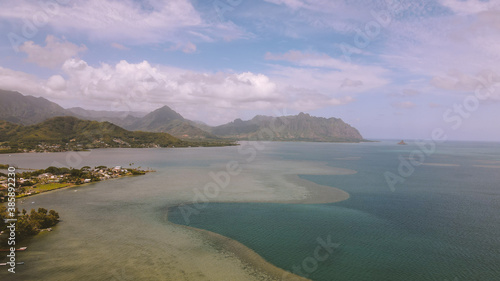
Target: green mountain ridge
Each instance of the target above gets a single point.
(116, 117)
(70, 133)
(27, 110)
(301, 127)
(165, 119)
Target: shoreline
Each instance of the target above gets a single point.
(70, 186)
(191, 144)
(318, 194)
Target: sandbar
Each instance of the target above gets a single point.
(314, 194)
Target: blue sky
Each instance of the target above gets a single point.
(391, 68)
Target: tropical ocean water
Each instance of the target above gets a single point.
(441, 223)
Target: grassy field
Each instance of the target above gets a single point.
(50, 186)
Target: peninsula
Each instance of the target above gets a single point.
(43, 180)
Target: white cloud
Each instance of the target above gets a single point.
(53, 54)
(119, 46)
(305, 17)
(456, 81)
(351, 83)
(326, 74)
(310, 59)
(451, 51)
(410, 92)
(306, 99)
(123, 22)
(435, 105)
(141, 86)
(20, 81)
(294, 4)
(56, 83)
(405, 93)
(404, 105)
(464, 83)
(323, 6)
(187, 48)
(469, 6)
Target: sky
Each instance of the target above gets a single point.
(394, 69)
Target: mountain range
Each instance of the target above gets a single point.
(165, 119)
(301, 127)
(28, 110)
(65, 133)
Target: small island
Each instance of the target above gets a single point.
(28, 224)
(402, 142)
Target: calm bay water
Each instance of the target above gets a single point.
(442, 223)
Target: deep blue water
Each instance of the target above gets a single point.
(442, 223)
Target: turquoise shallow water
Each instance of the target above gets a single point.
(442, 223)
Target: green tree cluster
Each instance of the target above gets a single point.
(28, 224)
